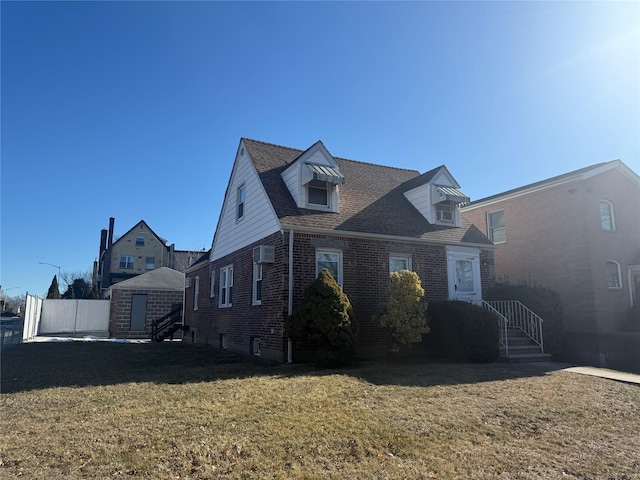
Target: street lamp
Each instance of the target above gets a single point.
(52, 265)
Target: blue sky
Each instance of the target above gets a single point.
(135, 109)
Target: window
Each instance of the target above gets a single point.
(613, 275)
(606, 216)
(444, 213)
(226, 286)
(496, 227)
(318, 193)
(150, 263)
(255, 346)
(212, 287)
(397, 263)
(126, 262)
(139, 241)
(224, 341)
(464, 275)
(240, 202)
(196, 292)
(257, 283)
(332, 261)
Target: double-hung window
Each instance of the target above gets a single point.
(226, 286)
(257, 284)
(240, 197)
(150, 263)
(614, 280)
(445, 213)
(397, 263)
(212, 286)
(332, 261)
(606, 216)
(496, 226)
(196, 292)
(140, 241)
(318, 192)
(126, 262)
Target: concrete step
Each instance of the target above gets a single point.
(520, 349)
(527, 357)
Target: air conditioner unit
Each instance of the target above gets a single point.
(264, 254)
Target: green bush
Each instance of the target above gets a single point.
(633, 319)
(462, 331)
(406, 312)
(544, 302)
(324, 318)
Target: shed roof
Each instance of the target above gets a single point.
(163, 278)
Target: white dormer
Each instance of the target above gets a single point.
(439, 199)
(314, 180)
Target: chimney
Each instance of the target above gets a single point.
(103, 241)
(112, 221)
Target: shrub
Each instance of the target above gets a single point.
(406, 312)
(632, 323)
(325, 318)
(544, 302)
(462, 331)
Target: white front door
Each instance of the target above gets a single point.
(463, 269)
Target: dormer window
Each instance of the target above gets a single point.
(445, 213)
(318, 192)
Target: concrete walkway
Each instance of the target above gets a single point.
(592, 371)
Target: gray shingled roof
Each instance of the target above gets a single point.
(372, 200)
(163, 278)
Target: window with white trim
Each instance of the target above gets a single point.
(445, 213)
(126, 262)
(496, 227)
(240, 198)
(257, 284)
(212, 286)
(397, 263)
(196, 292)
(318, 193)
(614, 280)
(332, 261)
(255, 347)
(607, 220)
(226, 286)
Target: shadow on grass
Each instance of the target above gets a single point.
(35, 366)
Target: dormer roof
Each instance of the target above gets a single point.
(372, 199)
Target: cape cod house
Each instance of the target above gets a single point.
(289, 213)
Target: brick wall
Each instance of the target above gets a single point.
(365, 281)
(159, 303)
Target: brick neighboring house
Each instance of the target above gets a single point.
(138, 301)
(136, 252)
(578, 234)
(288, 213)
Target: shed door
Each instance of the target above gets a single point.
(138, 311)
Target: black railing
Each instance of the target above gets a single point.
(166, 326)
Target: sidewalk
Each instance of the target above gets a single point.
(593, 371)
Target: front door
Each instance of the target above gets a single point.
(463, 271)
(138, 311)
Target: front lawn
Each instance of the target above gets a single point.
(102, 410)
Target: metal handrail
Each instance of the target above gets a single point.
(166, 322)
(519, 316)
(503, 323)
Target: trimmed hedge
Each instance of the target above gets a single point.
(544, 302)
(461, 331)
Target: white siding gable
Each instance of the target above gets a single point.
(293, 176)
(421, 196)
(259, 218)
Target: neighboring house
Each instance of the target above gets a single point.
(136, 252)
(137, 302)
(288, 213)
(578, 234)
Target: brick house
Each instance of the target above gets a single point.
(138, 251)
(138, 301)
(288, 213)
(578, 234)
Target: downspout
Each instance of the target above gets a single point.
(290, 300)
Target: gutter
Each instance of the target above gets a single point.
(290, 299)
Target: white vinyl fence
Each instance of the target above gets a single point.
(32, 312)
(74, 317)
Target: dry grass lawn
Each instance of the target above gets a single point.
(101, 410)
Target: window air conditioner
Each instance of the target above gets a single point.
(264, 254)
